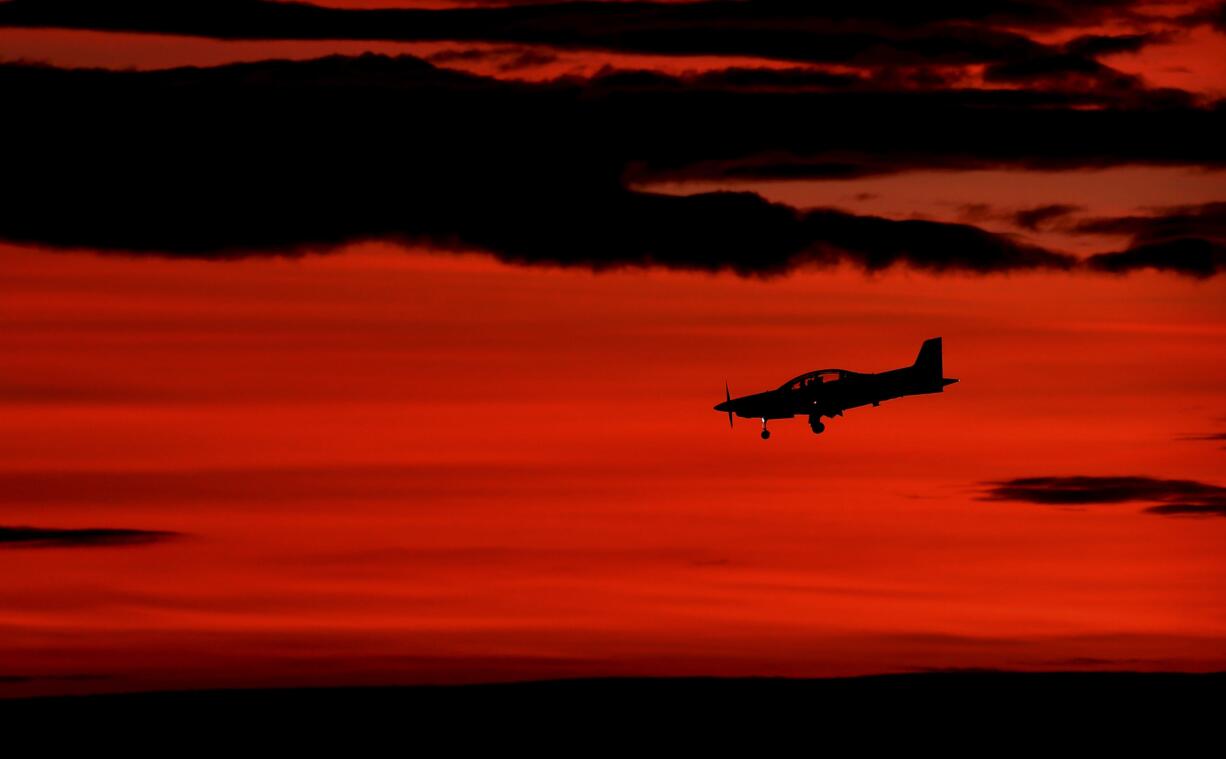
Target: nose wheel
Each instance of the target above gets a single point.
(766, 434)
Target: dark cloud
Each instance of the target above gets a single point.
(900, 45)
(1187, 256)
(1188, 240)
(885, 31)
(526, 59)
(1094, 45)
(748, 235)
(1167, 497)
(1077, 490)
(785, 169)
(1056, 65)
(1038, 13)
(1040, 216)
(1212, 437)
(505, 59)
(1068, 72)
(1214, 15)
(1214, 508)
(286, 157)
(1207, 221)
(879, 78)
(91, 537)
(770, 78)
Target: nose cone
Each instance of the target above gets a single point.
(725, 406)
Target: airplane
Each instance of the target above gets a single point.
(830, 392)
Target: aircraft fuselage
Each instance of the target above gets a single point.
(830, 392)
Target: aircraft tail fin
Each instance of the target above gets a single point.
(928, 362)
(930, 367)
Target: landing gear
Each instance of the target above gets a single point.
(815, 424)
(766, 434)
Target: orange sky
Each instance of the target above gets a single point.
(395, 466)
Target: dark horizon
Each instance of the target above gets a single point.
(953, 710)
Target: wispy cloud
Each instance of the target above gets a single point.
(89, 537)
(1166, 497)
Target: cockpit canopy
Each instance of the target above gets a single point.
(820, 377)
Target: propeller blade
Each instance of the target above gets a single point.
(728, 397)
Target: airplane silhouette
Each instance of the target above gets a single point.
(830, 392)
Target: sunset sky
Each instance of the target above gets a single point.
(319, 368)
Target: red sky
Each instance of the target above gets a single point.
(392, 465)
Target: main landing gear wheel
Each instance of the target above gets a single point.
(815, 423)
(766, 434)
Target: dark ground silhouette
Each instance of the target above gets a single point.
(986, 712)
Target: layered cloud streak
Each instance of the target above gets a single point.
(284, 158)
